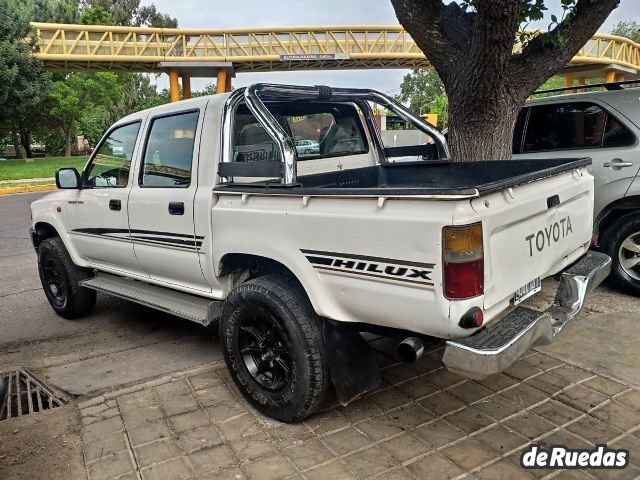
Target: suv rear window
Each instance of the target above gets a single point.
(564, 126)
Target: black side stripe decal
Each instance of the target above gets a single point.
(176, 240)
(368, 258)
(404, 271)
(105, 231)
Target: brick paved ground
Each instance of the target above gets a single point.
(424, 422)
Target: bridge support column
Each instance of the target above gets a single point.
(221, 81)
(227, 86)
(581, 81)
(610, 76)
(568, 82)
(186, 86)
(174, 86)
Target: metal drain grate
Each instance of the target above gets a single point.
(25, 394)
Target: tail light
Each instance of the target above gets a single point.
(463, 259)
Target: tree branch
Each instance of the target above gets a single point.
(441, 31)
(544, 55)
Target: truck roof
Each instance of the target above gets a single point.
(197, 102)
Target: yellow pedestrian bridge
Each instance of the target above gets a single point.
(222, 52)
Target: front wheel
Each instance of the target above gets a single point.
(621, 242)
(272, 345)
(60, 279)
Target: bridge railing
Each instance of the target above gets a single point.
(388, 45)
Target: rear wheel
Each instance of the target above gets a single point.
(60, 279)
(273, 348)
(621, 241)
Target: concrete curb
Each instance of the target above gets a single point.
(28, 188)
(215, 365)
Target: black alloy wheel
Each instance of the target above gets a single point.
(265, 350)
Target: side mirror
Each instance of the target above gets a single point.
(67, 178)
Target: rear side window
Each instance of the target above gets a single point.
(169, 151)
(616, 134)
(564, 126)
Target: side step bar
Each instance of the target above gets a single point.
(197, 309)
(495, 347)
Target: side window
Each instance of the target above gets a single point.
(169, 151)
(616, 134)
(564, 126)
(112, 162)
(518, 131)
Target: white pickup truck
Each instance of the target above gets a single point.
(204, 208)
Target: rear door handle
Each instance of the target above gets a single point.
(617, 164)
(115, 204)
(176, 208)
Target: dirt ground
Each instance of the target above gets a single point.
(46, 445)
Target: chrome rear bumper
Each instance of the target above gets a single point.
(495, 347)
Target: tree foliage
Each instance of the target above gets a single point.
(51, 108)
(627, 28)
(471, 43)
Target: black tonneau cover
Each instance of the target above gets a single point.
(419, 178)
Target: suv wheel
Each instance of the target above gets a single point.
(273, 347)
(60, 277)
(622, 242)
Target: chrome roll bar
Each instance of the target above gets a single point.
(257, 94)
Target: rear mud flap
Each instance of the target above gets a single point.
(352, 364)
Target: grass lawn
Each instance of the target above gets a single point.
(39, 168)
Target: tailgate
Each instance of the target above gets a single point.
(530, 230)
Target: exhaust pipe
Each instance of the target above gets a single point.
(410, 350)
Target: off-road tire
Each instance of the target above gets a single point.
(282, 301)
(77, 301)
(611, 243)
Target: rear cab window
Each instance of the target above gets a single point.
(320, 131)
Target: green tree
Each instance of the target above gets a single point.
(470, 43)
(78, 97)
(149, 16)
(95, 16)
(129, 12)
(419, 90)
(627, 28)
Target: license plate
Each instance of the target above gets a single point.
(534, 286)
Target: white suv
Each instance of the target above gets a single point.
(603, 125)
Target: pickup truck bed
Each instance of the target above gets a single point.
(430, 178)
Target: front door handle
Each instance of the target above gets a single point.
(176, 208)
(617, 164)
(115, 204)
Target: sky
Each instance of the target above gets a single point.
(257, 13)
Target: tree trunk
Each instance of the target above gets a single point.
(16, 142)
(67, 141)
(25, 139)
(472, 51)
(480, 129)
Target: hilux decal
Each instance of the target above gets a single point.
(551, 234)
(377, 267)
(180, 241)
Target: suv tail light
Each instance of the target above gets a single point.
(463, 257)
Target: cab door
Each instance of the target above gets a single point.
(98, 223)
(161, 202)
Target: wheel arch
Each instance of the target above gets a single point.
(255, 265)
(613, 212)
(42, 231)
